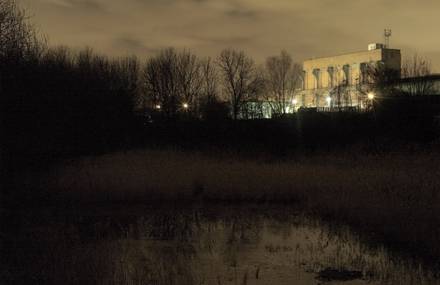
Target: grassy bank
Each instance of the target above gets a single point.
(393, 197)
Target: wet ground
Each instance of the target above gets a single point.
(193, 245)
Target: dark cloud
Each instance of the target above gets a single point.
(134, 45)
(83, 5)
(225, 41)
(240, 13)
(240, 10)
(156, 2)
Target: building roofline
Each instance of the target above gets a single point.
(433, 76)
(349, 53)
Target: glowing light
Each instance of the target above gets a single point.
(158, 107)
(185, 105)
(294, 101)
(371, 96)
(328, 99)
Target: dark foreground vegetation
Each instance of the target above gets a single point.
(390, 197)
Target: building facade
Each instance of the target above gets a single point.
(339, 81)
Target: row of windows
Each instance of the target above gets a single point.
(337, 76)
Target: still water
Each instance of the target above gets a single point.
(193, 245)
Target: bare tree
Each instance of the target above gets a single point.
(283, 76)
(209, 79)
(340, 91)
(17, 36)
(126, 82)
(378, 78)
(415, 77)
(212, 106)
(173, 81)
(161, 82)
(239, 77)
(18, 42)
(189, 80)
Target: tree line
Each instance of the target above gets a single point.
(56, 100)
(180, 82)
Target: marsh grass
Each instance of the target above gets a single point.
(392, 197)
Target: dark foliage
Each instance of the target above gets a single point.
(59, 103)
(55, 103)
(408, 118)
(214, 110)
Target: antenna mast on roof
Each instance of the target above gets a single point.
(387, 34)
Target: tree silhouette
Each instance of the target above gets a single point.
(283, 76)
(173, 82)
(241, 81)
(415, 74)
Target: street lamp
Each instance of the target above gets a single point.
(370, 100)
(329, 100)
(158, 107)
(185, 106)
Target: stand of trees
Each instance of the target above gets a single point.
(180, 83)
(55, 102)
(175, 82)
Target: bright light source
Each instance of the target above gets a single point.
(370, 96)
(158, 107)
(328, 99)
(294, 101)
(185, 105)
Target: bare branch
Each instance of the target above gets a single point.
(239, 78)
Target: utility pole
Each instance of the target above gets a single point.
(387, 34)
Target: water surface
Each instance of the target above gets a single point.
(193, 245)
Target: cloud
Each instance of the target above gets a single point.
(61, 3)
(134, 45)
(261, 27)
(221, 42)
(241, 13)
(83, 5)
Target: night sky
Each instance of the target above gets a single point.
(305, 29)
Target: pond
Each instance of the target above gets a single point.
(194, 245)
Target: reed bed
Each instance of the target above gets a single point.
(393, 197)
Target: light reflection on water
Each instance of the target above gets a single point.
(187, 246)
